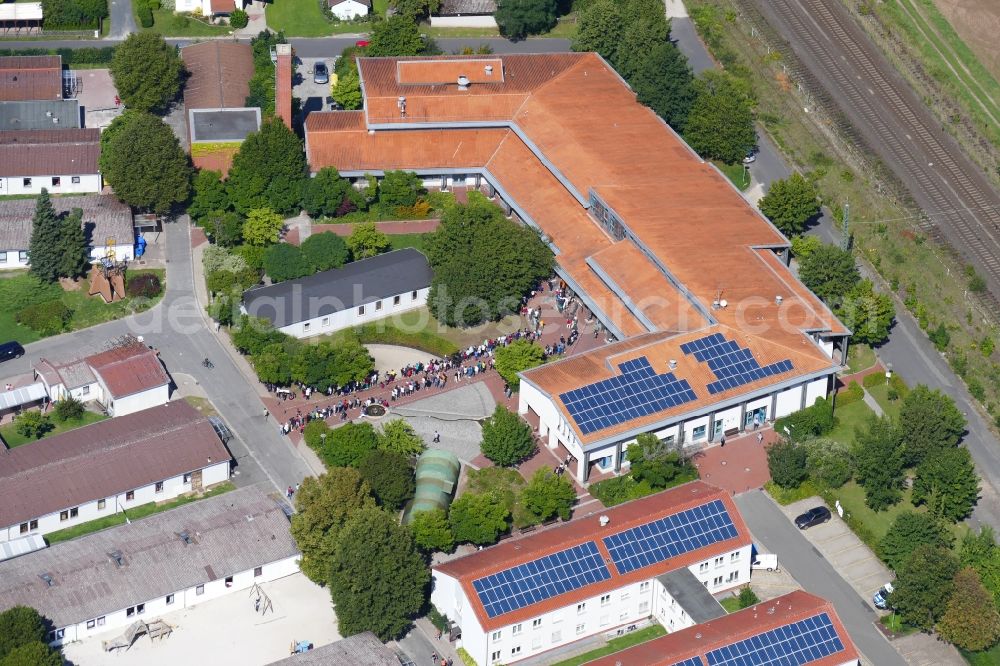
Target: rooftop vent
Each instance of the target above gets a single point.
(673, 364)
(489, 70)
(185, 537)
(55, 121)
(401, 103)
(604, 520)
(778, 299)
(48, 579)
(463, 82)
(48, 114)
(117, 557)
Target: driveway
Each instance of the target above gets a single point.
(314, 96)
(122, 19)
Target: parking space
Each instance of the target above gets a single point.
(315, 96)
(96, 95)
(852, 559)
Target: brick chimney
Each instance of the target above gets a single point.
(283, 84)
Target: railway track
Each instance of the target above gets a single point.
(840, 66)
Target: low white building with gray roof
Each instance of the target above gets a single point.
(354, 294)
(166, 562)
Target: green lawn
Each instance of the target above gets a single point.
(303, 18)
(990, 657)
(14, 438)
(135, 513)
(616, 645)
(169, 24)
(738, 174)
(399, 241)
(849, 418)
(731, 604)
(881, 395)
(852, 498)
(860, 357)
(893, 623)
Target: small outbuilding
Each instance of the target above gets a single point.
(359, 292)
(347, 10)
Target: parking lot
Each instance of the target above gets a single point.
(314, 96)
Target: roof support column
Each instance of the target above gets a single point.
(805, 385)
(743, 416)
(712, 435)
(618, 457)
(773, 412)
(583, 467)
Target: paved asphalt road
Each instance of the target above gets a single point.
(772, 529)
(122, 19)
(178, 328)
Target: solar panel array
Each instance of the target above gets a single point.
(791, 645)
(637, 392)
(671, 536)
(541, 579)
(733, 365)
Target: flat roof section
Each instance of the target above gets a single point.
(221, 125)
(447, 71)
(693, 597)
(40, 115)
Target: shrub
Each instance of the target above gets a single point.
(32, 424)
(619, 489)
(239, 19)
(806, 423)
(68, 409)
(786, 461)
(146, 285)
(145, 15)
(46, 318)
(748, 597)
(848, 396)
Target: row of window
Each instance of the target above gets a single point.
(581, 628)
(22, 256)
(69, 514)
(56, 181)
(361, 310)
(719, 561)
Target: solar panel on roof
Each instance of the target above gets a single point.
(693, 661)
(638, 391)
(732, 365)
(671, 536)
(793, 644)
(541, 579)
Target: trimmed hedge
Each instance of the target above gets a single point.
(146, 285)
(145, 15)
(47, 318)
(85, 56)
(853, 393)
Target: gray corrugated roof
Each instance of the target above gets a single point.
(466, 7)
(104, 217)
(692, 596)
(357, 283)
(233, 532)
(47, 114)
(358, 650)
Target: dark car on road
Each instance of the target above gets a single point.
(9, 350)
(814, 516)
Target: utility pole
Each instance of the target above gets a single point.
(845, 242)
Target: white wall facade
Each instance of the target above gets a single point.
(69, 184)
(129, 404)
(124, 500)
(463, 22)
(386, 307)
(606, 612)
(150, 609)
(123, 250)
(348, 10)
(18, 257)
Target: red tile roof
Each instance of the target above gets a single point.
(24, 78)
(62, 152)
(582, 529)
(220, 74)
(698, 640)
(105, 458)
(129, 369)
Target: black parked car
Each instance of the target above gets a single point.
(814, 516)
(9, 350)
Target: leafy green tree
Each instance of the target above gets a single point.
(640, 38)
(924, 585)
(980, 551)
(273, 365)
(931, 422)
(224, 309)
(653, 462)
(325, 251)
(262, 227)
(786, 461)
(224, 228)
(73, 246)
(399, 188)
(325, 192)
(803, 246)
(878, 462)
(268, 171)
(68, 409)
(869, 314)
(32, 424)
(415, 9)
(483, 263)
(790, 203)
(396, 36)
(347, 92)
(601, 27)
(432, 532)
(147, 72)
(209, 194)
(947, 483)
(720, 124)
(830, 273)
(909, 531)
(747, 597)
(828, 461)
(331, 363)
(324, 504)
(519, 18)
(507, 440)
(285, 262)
(479, 518)
(398, 436)
(44, 248)
(145, 164)
(970, 620)
(548, 495)
(36, 653)
(367, 241)
(379, 579)
(807, 423)
(663, 81)
(351, 443)
(516, 357)
(20, 625)
(390, 477)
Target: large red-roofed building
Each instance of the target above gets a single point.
(660, 557)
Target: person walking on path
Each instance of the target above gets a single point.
(760, 438)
